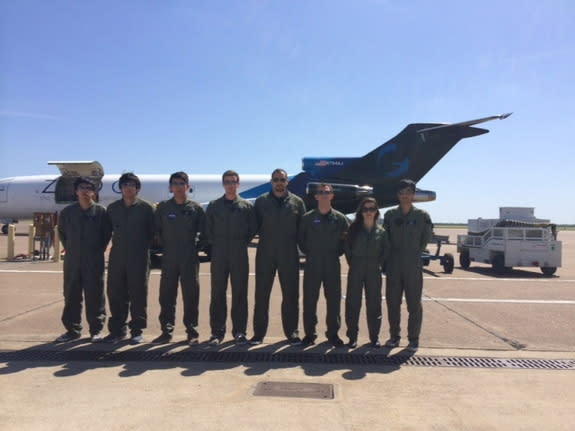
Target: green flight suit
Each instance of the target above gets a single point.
(230, 226)
(85, 235)
(408, 236)
(365, 257)
(321, 238)
(178, 227)
(278, 221)
(129, 265)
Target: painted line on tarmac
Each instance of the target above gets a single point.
(252, 274)
(502, 301)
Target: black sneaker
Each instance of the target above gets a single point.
(254, 341)
(193, 340)
(335, 341)
(375, 344)
(352, 344)
(294, 341)
(240, 339)
(163, 339)
(137, 339)
(392, 342)
(67, 337)
(97, 338)
(308, 341)
(113, 339)
(413, 346)
(214, 340)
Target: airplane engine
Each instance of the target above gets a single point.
(342, 192)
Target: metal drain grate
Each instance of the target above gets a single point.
(284, 357)
(320, 391)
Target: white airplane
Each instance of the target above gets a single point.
(410, 154)
(21, 197)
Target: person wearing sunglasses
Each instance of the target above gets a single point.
(365, 251)
(230, 226)
(84, 231)
(278, 214)
(321, 237)
(132, 221)
(409, 229)
(180, 224)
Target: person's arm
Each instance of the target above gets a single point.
(62, 227)
(301, 236)
(344, 226)
(427, 232)
(252, 223)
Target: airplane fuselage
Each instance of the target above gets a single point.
(20, 197)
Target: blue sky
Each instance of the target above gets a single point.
(204, 86)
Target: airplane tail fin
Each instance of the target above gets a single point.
(413, 152)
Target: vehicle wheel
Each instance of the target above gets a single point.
(5, 229)
(548, 270)
(448, 263)
(426, 259)
(464, 259)
(498, 264)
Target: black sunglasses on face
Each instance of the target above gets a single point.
(368, 209)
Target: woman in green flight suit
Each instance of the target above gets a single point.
(365, 249)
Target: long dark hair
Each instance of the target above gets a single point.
(357, 224)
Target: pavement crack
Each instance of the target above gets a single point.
(513, 343)
(5, 319)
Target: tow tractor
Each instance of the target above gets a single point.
(516, 239)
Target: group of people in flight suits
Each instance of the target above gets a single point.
(227, 227)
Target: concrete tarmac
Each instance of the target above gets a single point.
(474, 321)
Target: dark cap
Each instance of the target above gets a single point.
(406, 183)
(84, 180)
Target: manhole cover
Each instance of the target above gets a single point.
(295, 390)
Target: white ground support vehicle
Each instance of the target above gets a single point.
(516, 238)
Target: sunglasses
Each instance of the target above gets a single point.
(405, 192)
(230, 182)
(86, 188)
(279, 180)
(178, 183)
(368, 209)
(324, 192)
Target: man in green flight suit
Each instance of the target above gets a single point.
(132, 221)
(278, 214)
(84, 231)
(179, 222)
(321, 237)
(230, 226)
(409, 230)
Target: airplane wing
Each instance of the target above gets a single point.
(80, 168)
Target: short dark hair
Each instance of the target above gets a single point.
(180, 175)
(84, 180)
(279, 171)
(406, 183)
(130, 177)
(230, 173)
(322, 186)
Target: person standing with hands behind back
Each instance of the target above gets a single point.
(365, 252)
